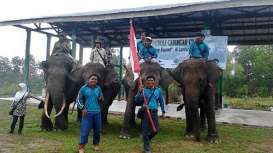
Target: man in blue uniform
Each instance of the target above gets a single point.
(198, 48)
(148, 53)
(90, 95)
(153, 96)
(140, 44)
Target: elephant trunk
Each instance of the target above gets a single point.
(46, 104)
(62, 108)
(57, 113)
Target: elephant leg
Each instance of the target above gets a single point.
(79, 115)
(212, 132)
(189, 126)
(133, 116)
(66, 110)
(202, 116)
(127, 116)
(193, 107)
(46, 123)
(167, 96)
(104, 114)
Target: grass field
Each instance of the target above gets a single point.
(250, 103)
(234, 139)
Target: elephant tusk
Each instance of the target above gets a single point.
(45, 106)
(62, 109)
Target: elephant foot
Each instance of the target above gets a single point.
(213, 139)
(124, 135)
(61, 123)
(60, 127)
(46, 124)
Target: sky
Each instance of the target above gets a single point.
(13, 39)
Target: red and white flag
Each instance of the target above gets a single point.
(136, 70)
(133, 47)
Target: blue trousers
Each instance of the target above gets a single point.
(146, 129)
(91, 120)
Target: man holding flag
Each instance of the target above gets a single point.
(153, 96)
(148, 119)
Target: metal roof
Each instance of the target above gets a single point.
(244, 21)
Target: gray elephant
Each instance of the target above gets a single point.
(147, 69)
(198, 79)
(63, 85)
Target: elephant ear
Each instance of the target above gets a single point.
(213, 72)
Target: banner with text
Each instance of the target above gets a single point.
(172, 51)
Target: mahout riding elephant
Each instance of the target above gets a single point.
(63, 83)
(147, 69)
(198, 80)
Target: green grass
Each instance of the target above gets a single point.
(249, 103)
(234, 139)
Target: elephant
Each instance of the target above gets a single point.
(146, 69)
(63, 83)
(198, 81)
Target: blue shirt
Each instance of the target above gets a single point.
(88, 98)
(195, 52)
(148, 52)
(140, 46)
(157, 97)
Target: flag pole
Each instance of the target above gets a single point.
(137, 69)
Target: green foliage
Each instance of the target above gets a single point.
(11, 73)
(254, 72)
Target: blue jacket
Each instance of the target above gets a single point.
(148, 52)
(153, 104)
(140, 46)
(195, 52)
(88, 98)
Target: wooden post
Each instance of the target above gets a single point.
(81, 55)
(73, 53)
(27, 56)
(48, 43)
(120, 68)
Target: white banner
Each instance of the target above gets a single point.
(172, 51)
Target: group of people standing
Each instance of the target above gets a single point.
(90, 95)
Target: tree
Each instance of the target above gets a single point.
(254, 72)
(5, 65)
(17, 64)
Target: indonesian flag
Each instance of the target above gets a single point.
(133, 46)
(136, 70)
